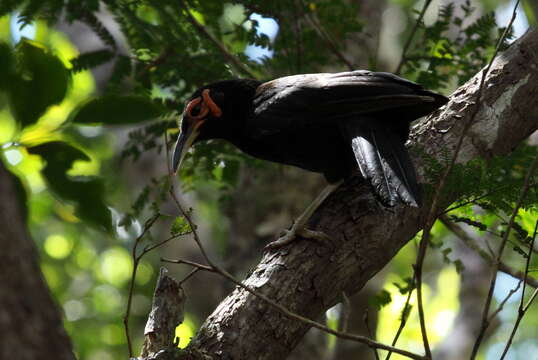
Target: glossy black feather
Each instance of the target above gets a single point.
(328, 123)
(384, 162)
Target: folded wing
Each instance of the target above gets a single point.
(299, 101)
(384, 162)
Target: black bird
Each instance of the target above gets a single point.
(329, 123)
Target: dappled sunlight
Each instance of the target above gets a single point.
(185, 332)
(58, 246)
(441, 307)
(116, 265)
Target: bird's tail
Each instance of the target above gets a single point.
(384, 162)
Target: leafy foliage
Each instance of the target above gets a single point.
(91, 59)
(494, 184)
(30, 78)
(85, 191)
(441, 56)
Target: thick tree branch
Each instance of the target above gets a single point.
(307, 277)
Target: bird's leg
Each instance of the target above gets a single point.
(299, 226)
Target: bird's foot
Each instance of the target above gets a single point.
(288, 236)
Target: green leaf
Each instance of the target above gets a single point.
(85, 191)
(116, 110)
(380, 300)
(180, 226)
(91, 59)
(42, 81)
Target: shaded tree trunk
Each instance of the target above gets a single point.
(30, 321)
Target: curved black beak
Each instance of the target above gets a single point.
(183, 144)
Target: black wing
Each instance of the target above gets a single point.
(383, 161)
(294, 102)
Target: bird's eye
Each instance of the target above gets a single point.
(195, 110)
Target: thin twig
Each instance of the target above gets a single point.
(203, 30)
(149, 248)
(522, 307)
(406, 311)
(503, 302)
(189, 275)
(370, 333)
(346, 313)
(297, 23)
(329, 42)
(136, 259)
(191, 263)
(485, 322)
(472, 244)
(411, 36)
(418, 273)
(527, 265)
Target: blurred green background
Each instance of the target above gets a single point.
(90, 93)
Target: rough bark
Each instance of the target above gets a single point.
(308, 277)
(30, 321)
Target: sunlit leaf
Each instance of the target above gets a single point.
(41, 81)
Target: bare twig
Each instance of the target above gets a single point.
(503, 302)
(297, 23)
(527, 265)
(227, 54)
(191, 263)
(485, 322)
(189, 275)
(329, 42)
(406, 311)
(418, 274)
(471, 243)
(370, 332)
(522, 307)
(346, 313)
(136, 259)
(411, 36)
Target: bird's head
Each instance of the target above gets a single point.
(209, 113)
